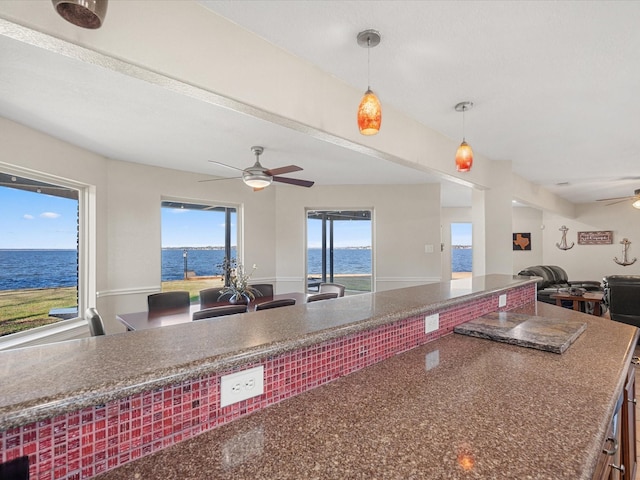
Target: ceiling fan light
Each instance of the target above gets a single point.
(83, 13)
(464, 157)
(256, 179)
(369, 114)
(636, 204)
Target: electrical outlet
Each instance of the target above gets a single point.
(239, 386)
(431, 323)
(502, 300)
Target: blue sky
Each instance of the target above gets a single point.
(461, 234)
(194, 228)
(34, 220)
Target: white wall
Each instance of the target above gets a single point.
(593, 262)
(406, 218)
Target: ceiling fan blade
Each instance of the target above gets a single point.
(288, 169)
(225, 165)
(293, 181)
(217, 179)
(618, 201)
(615, 198)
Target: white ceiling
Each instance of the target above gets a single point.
(553, 84)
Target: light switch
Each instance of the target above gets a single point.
(428, 249)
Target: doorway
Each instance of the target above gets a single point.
(461, 250)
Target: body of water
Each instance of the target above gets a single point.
(203, 262)
(21, 269)
(461, 259)
(345, 260)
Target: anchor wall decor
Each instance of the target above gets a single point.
(563, 243)
(625, 247)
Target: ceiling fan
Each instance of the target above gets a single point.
(258, 177)
(635, 197)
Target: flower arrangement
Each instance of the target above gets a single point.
(237, 282)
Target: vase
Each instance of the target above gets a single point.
(238, 299)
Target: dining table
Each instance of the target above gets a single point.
(145, 320)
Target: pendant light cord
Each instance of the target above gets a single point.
(464, 109)
(368, 63)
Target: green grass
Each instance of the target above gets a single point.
(24, 309)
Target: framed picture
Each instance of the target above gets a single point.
(595, 238)
(522, 241)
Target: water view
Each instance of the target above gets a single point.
(22, 269)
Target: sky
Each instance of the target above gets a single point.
(461, 234)
(32, 220)
(195, 228)
(35, 220)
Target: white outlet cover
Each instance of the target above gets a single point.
(239, 386)
(502, 300)
(431, 323)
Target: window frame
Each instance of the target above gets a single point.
(86, 282)
(371, 219)
(208, 203)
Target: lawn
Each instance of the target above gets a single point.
(25, 309)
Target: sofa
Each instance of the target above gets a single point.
(554, 279)
(622, 296)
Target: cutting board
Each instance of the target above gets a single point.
(548, 334)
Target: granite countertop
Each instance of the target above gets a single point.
(44, 381)
(457, 408)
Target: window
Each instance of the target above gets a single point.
(196, 238)
(38, 253)
(339, 249)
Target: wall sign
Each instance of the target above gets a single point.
(522, 241)
(595, 238)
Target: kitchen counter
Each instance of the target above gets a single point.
(44, 381)
(456, 408)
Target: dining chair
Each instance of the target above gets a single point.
(331, 288)
(169, 301)
(94, 320)
(265, 289)
(283, 302)
(321, 296)
(210, 297)
(219, 311)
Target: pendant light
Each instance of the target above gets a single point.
(83, 13)
(369, 110)
(464, 154)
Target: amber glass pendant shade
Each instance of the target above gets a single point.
(464, 157)
(369, 114)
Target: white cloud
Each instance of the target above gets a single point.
(49, 215)
(26, 216)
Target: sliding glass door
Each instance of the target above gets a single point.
(339, 249)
